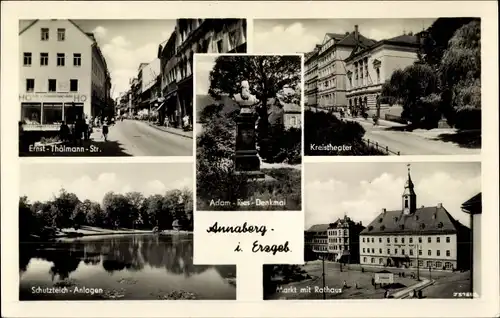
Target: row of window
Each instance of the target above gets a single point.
(428, 264)
(45, 34)
(410, 240)
(338, 247)
(52, 85)
(327, 71)
(327, 84)
(429, 252)
(44, 59)
(338, 232)
(338, 240)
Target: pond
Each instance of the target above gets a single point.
(128, 267)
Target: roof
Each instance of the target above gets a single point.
(336, 36)
(404, 40)
(473, 205)
(435, 220)
(89, 35)
(350, 40)
(318, 228)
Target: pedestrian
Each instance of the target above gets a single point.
(105, 128)
(64, 132)
(386, 294)
(85, 127)
(77, 130)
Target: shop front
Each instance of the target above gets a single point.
(46, 112)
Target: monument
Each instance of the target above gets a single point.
(247, 161)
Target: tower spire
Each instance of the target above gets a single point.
(409, 196)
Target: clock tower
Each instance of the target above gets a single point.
(409, 196)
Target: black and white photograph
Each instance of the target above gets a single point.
(385, 86)
(112, 232)
(248, 132)
(114, 87)
(386, 230)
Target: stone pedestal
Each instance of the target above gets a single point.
(247, 161)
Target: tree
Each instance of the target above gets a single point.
(438, 36)
(63, 207)
(266, 75)
(95, 215)
(460, 73)
(79, 216)
(117, 210)
(416, 88)
(136, 200)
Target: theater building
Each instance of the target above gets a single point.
(331, 80)
(427, 237)
(63, 75)
(368, 67)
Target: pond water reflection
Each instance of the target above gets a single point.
(124, 267)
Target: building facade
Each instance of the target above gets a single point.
(338, 241)
(63, 75)
(311, 77)
(369, 67)
(425, 237)
(332, 71)
(474, 207)
(194, 36)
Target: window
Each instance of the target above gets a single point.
(447, 239)
(363, 250)
(373, 251)
(364, 259)
(30, 84)
(395, 251)
(402, 252)
(411, 252)
(73, 85)
(378, 75)
(380, 240)
(372, 260)
(429, 239)
(447, 252)
(380, 261)
(438, 239)
(420, 240)
(27, 59)
(419, 252)
(402, 240)
(44, 34)
(61, 34)
(52, 85)
(395, 240)
(448, 265)
(411, 240)
(429, 252)
(77, 59)
(380, 251)
(420, 263)
(406, 203)
(44, 59)
(429, 263)
(363, 239)
(60, 59)
(388, 251)
(373, 240)
(438, 253)
(388, 240)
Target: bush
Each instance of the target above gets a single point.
(285, 146)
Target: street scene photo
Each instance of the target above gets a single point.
(114, 87)
(386, 230)
(112, 232)
(248, 132)
(385, 86)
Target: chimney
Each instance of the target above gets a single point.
(384, 210)
(439, 205)
(356, 33)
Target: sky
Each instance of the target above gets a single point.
(125, 44)
(300, 36)
(203, 65)
(93, 180)
(362, 190)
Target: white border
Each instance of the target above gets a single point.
(487, 306)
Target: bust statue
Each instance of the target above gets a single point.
(245, 99)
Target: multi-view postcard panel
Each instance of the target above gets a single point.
(249, 132)
(107, 232)
(386, 230)
(385, 86)
(114, 87)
